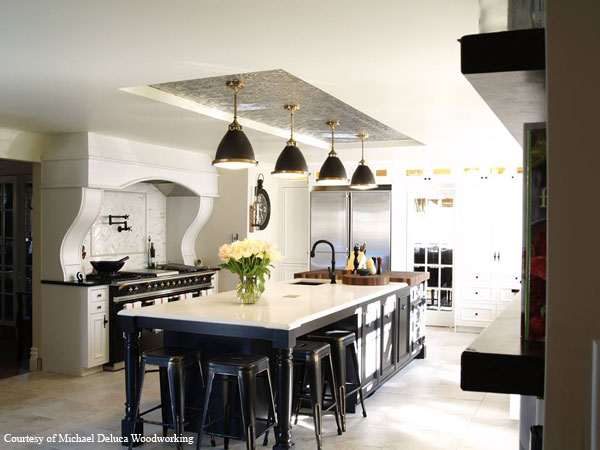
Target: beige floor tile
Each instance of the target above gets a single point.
(422, 407)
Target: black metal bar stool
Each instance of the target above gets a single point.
(245, 370)
(343, 346)
(173, 361)
(308, 357)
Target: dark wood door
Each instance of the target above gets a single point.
(403, 328)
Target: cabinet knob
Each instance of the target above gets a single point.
(476, 314)
(477, 277)
(476, 293)
(99, 307)
(99, 295)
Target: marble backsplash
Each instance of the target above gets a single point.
(146, 207)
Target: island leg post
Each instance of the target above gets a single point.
(132, 367)
(283, 431)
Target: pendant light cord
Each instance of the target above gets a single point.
(236, 85)
(362, 137)
(333, 124)
(332, 137)
(292, 141)
(362, 159)
(235, 92)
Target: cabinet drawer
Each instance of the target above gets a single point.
(476, 294)
(98, 307)
(474, 276)
(473, 314)
(95, 295)
(507, 294)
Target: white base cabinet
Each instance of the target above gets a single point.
(75, 328)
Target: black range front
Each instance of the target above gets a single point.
(144, 292)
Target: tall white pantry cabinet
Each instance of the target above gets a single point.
(488, 246)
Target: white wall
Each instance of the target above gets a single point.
(146, 206)
(22, 145)
(573, 307)
(231, 215)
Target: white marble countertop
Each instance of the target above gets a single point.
(283, 306)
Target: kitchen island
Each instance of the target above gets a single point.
(379, 315)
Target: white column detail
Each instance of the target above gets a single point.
(185, 218)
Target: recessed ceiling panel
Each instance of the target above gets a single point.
(264, 96)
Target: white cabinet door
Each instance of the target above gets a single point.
(294, 225)
(508, 228)
(474, 224)
(97, 339)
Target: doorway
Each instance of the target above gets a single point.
(16, 249)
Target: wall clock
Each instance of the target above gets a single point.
(260, 210)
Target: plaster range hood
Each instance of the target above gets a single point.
(170, 189)
(78, 168)
(508, 70)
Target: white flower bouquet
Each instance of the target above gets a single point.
(251, 260)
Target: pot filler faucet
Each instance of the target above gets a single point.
(332, 268)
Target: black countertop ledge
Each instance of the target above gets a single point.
(499, 361)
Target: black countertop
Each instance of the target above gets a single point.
(499, 361)
(78, 283)
(92, 283)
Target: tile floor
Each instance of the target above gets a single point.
(422, 407)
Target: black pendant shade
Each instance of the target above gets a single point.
(234, 150)
(332, 171)
(363, 177)
(291, 162)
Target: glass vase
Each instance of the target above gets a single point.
(248, 289)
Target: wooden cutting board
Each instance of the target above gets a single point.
(365, 280)
(411, 278)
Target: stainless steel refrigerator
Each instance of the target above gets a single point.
(348, 217)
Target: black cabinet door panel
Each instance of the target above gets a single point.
(403, 329)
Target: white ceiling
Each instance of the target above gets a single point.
(64, 62)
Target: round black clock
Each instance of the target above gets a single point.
(262, 205)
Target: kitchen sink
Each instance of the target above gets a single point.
(310, 283)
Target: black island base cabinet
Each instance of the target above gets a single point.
(389, 329)
(391, 334)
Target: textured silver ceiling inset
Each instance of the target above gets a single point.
(266, 93)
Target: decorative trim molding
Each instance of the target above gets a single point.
(188, 242)
(70, 249)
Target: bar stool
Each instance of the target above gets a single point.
(343, 346)
(173, 361)
(308, 357)
(244, 369)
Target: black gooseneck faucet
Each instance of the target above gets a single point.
(332, 268)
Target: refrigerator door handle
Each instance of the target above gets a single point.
(350, 222)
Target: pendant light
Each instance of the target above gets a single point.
(363, 177)
(234, 150)
(291, 163)
(332, 171)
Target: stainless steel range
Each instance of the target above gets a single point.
(139, 289)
